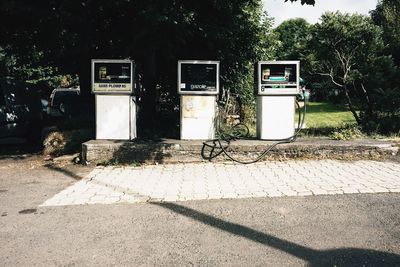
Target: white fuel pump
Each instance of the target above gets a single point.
(113, 86)
(277, 84)
(198, 85)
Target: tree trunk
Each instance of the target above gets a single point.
(350, 103)
(369, 109)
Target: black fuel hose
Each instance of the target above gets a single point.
(221, 145)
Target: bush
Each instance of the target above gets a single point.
(58, 143)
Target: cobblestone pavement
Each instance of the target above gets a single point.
(106, 185)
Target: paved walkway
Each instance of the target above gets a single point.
(180, 182)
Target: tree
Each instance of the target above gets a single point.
(349, 50)
(68, 34)
(20, 56)
(387, 15)
(344, 42)
(293, 35)
(382, 83)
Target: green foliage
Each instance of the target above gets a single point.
(343, 42)
(237, 56)
(293, 35)
(343, 60)
(65, 35)
(348, 52)
(31, 68)
(348, 132)
(387, 15)
(51, 42)
(383, 81)
(25, 42)
(385, 77)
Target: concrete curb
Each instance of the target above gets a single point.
(182, 151)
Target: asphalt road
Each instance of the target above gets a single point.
(339, 230)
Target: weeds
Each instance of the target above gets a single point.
(348, 132)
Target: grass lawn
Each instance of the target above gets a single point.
(327, 115)
(321, 119)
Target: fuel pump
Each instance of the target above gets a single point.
(198, 86)
(113, 86)
(277, 83)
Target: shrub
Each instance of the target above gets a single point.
(58, 143)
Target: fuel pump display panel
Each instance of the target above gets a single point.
(198, 77)
(278, 77)
(112, 76)
(282, 75)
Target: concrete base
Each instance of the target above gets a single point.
(275, 117)
(181, 151)
(115, 117)
(197, 117)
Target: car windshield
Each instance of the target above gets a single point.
(65, 93)
(61, 96)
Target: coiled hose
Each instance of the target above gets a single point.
(221, 145)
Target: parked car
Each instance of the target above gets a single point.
(20, 110)
(62, 101)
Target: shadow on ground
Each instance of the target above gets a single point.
(334, 257)
(19, 150)
(69, 173)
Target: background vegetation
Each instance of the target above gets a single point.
(349, 60)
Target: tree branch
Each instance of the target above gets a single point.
(332, 78)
